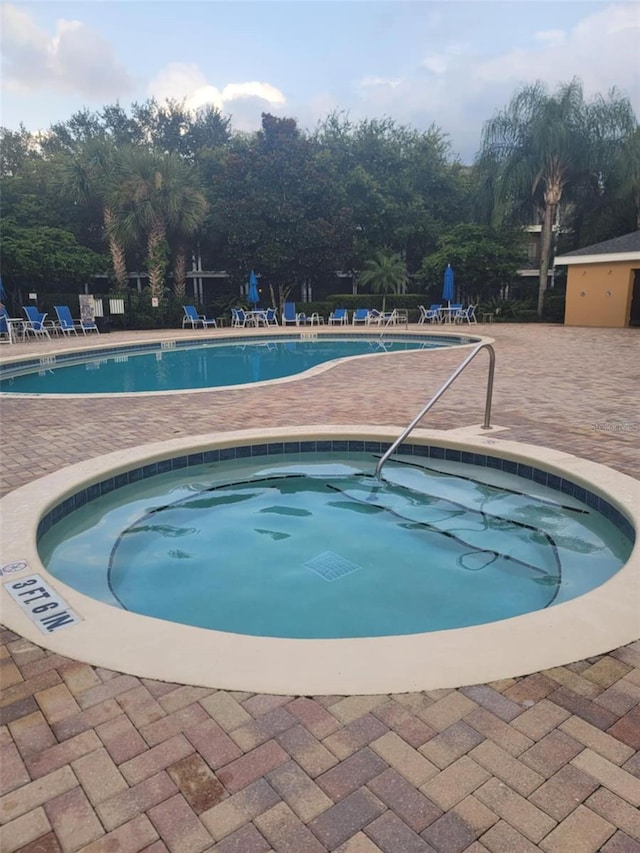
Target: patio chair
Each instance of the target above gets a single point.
(66, 323)
(192, 316)
(35, 323)
(339, 316)
(271, 317)
(431, 314)
(468, 314)
(290, 315)
(238, 318)
(361, 315)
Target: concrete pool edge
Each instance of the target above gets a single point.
(596, 622)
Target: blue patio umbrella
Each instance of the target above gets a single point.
(448, 287)
(253, 295)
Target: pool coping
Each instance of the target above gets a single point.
(592, 624)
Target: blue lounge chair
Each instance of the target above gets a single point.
(192, 316)
(290, 315)
(67, 324)
(34, 324)
(382, 318)
(361, 315)
(339, 316)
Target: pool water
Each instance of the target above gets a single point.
(168, 367)
(319, 548)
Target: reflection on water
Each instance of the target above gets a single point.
(204, 366)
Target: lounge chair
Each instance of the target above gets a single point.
(432, 314)
(361, 315)
(382, 318)
(339, 316)
(290, 315)
(66, 324)
(35, 323)
(192, 316)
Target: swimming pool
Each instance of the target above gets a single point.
(213, 363)
(299, 544)
(600, 619)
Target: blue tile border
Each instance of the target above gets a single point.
(538, 475)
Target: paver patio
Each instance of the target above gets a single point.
(102, 761)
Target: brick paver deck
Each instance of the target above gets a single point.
(99, 761)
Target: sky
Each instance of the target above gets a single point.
(451, 64)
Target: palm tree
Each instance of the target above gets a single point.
(90, 178)
(385, 273)
(157, 198)
(628, 173)
(542, 145)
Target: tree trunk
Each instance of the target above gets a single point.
(179, 274)
(118, 258)
(552, 196)
(157, 261)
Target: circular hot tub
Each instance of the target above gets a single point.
(276, 562)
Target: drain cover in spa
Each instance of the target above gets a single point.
(331, 566)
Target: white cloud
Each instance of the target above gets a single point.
(75, 59)
(436, 64)
(458, 89)
(186, 82)
(177, 81)
(264, 91)
(378, 82)
(551, 38)
(602, 50)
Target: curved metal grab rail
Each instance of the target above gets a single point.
(440, 392)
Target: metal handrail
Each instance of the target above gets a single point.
(440, 392)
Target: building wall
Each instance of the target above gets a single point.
(599, 294)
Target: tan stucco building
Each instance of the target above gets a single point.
(603, 283)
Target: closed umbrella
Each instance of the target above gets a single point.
(448, 286)
(253, 296)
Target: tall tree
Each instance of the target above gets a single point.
(542, 146)
(157, 196)
(628, 174)
(485, 261)
(278, 203)
(385, 273)
(401, 185)
(92, 178)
